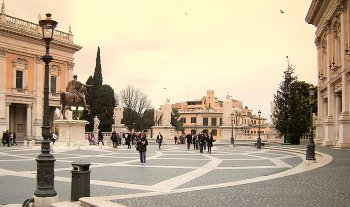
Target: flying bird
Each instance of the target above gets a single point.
(186, 13)
(281, 11)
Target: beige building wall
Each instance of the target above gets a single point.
(332, 19)
(22, 86)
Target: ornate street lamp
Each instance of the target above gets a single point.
(232, 138)
(310, 147)
(45, 161)
(258, 141)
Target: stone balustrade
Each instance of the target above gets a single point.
(33, 27)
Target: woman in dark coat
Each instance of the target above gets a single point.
(142, 148)
(210, 142)
(100, 137)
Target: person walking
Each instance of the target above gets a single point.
(159, 139)
(4, 138)
(189, 140)
(195, 142)
(210, 142)
(7, 137)
(142, 148)
(114, 139)
(175, 139)
(201, 140)
(205, 141)
(128, 139)
(100, 137)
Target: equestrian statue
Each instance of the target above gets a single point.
(74, 96)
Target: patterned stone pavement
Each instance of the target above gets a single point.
(175, 176)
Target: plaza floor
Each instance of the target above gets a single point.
(174, 176)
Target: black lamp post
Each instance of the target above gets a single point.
(310, 147)
(258, 141)
(232, 138)
(45, 161)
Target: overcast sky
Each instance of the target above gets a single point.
(179, 49)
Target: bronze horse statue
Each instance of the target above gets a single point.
(68, 99)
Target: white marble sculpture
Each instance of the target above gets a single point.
(118, 115)
(96, 123)
(162, 116)
(227, 110)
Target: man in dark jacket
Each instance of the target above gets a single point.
(114, 139)
(100, 137)
(159, 139)
(201, 141)
(189, 140)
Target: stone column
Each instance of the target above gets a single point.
(8, 104)
(3, 108)
(29, 122)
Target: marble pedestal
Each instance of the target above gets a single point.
(168, 133)
(226, 132)
(120, 128)
(71, 132)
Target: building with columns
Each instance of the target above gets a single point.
(206, 114)
(22, 72)
(332, 19)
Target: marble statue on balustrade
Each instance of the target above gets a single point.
(118, 115)
(227, 110)
(162, 116)
(96, 123)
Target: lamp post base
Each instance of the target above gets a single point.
(45, 201)
(310, 151)
(232, 141)
(258, 143)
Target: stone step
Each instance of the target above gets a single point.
(67, 204)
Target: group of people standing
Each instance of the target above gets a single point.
(201, 141)
(8, 138)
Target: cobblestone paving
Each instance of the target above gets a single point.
(175, 176)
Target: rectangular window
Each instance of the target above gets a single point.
(19, 79)
(193, 120)
(220, 121)
(53, 84)
(205, 121)
(193, 132)
(214, 132)
(183, 119)
(213, 121)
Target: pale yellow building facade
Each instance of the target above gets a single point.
(22, 72)
(206, 115)
(332, 19)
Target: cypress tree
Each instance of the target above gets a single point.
(100, 99)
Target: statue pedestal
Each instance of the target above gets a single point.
(71, 132)
(120, 128)
(168, 133)
(226, 132)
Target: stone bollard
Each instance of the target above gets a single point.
(30, 144)
(100, 145)
(78, 145)
(80, 180)
(25, 144)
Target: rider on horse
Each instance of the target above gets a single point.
(76, 87)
